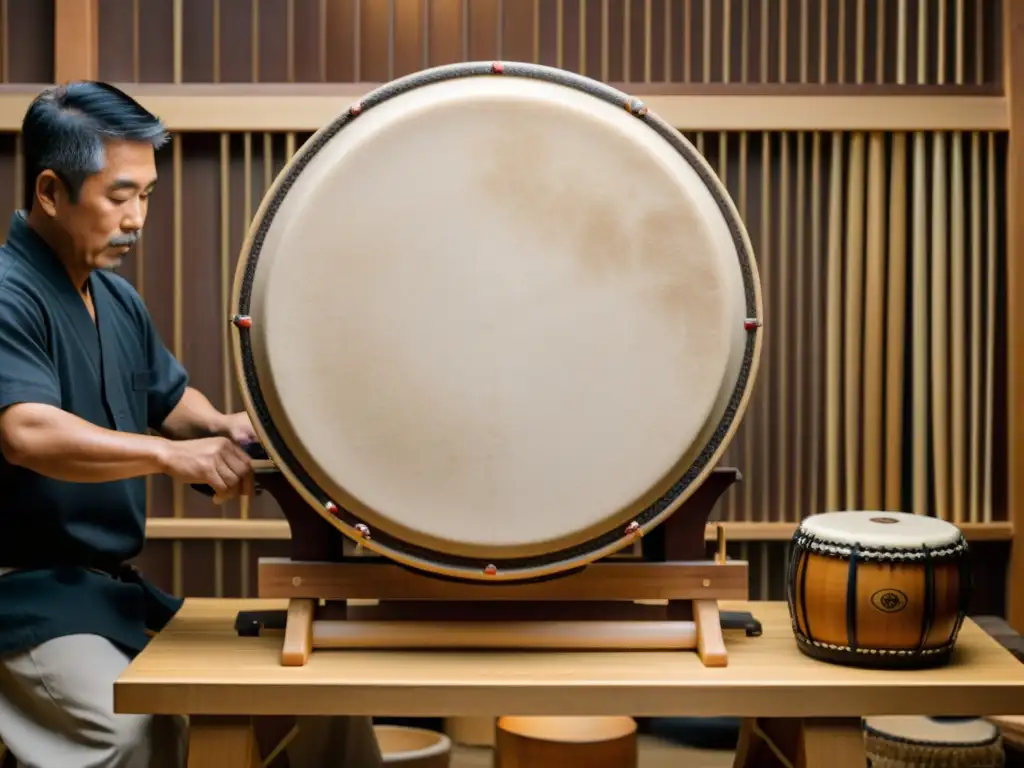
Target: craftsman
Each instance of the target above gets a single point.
(91, 402)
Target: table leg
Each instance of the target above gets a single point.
(801, 743)
(222, 742)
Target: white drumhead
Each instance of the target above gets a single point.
(897, 530)
(925, 731)
(494, 315)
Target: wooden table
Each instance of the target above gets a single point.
(808, 709)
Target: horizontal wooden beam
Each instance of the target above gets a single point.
(218, 528)
(377, 580)
(281, 108)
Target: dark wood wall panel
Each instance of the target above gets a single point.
(907, 42)
(26, 41)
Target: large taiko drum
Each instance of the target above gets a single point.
(878, 589)
(496, 320)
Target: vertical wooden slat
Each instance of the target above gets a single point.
(977, 434)
(840, 39)
(990, 354)
(75, 40)
(823, 43)
(958, 319)
(937, 328)
(833, 343)
(874, 324)
(1013, 79)
(817, 337)
(919, 299)
(896, 323)
(853, 295)
(799, 456)
(764, 49)
(748, 434)
(727, 41)
(176, 32)
(783, 382)
(783, 41)
(765, 448)
(880, 49)
(687, 47)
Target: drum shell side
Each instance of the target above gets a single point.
(892, 607)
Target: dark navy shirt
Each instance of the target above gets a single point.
(70, 541)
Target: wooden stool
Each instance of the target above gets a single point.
(413, 747)
(557, 742)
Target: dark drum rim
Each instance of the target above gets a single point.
(443, 563)
(876, 658)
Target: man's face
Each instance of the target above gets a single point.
(107, 219)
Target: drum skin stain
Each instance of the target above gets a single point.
(655, 243)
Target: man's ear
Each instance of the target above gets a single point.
(48, 189)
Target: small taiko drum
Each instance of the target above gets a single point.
(496, 321)
(878, 589)
(924, 742)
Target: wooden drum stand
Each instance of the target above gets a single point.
(666, 598)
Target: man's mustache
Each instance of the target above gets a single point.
(122, 240)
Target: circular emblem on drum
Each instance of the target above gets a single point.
(497, 355)
(889, 600)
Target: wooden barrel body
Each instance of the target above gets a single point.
(560, 742)
(878, 589)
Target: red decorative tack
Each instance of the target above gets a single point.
(633, 528)
(498, 68)
(363, 530)
(355, 109)
(491, 570)
(331, 507)
(242, 321)
(751, 323)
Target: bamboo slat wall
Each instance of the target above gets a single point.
(882, 255)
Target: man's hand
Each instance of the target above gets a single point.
(214, 461)
(194, 417)
(238, 428)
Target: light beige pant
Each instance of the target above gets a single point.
(57, 711)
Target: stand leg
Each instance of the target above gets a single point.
(222, 742)
(710, 643)
(298, 632)
(801, 743)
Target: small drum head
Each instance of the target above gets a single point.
(494, 315)
(881, 530)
